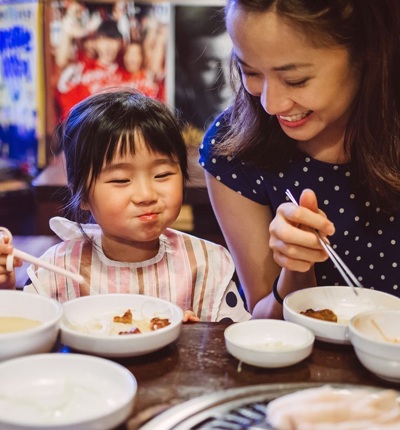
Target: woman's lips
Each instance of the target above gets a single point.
(293, 121)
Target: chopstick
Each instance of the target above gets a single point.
(346, 273)
(382, 333)
(31, 259)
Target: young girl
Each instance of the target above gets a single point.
(126, 165)
(317, 107)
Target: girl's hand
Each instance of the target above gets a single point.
(189, 316)
(7, 279)
(294, 244)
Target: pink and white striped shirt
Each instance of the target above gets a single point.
(193, 273)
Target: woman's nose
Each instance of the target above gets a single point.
(275, 99)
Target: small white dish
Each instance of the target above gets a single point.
(268, 343)
(339, 299)
(39, 339)
(375, 336)
(64, 392)
(89, 311)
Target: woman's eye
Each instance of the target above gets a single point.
(249, 74)
(297, 84)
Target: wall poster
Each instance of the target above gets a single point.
(21, 105)
(202, 56)
(95, 45)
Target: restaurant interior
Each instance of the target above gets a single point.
(197, 379)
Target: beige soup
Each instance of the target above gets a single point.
(12, 324)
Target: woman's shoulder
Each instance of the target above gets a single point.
(218, 127)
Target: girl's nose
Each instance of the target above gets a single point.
(143, 193)
(275, 99)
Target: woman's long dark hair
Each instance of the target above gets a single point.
(370, 30)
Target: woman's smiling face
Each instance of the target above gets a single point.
(309, 89)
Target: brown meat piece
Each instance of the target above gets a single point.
(133, 330)
(126, 318)
(157, 323)
(323, 314)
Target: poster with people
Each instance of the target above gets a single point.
(202, 57)
(98, 45)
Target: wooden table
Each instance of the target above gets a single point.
(198, 364)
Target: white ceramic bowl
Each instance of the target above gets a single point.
(64, 392)
(33, 340)
(342, 301)
(85, 311)
(375, 336)
(268, 342)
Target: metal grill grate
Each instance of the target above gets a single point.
(241, 418)
(233, 409)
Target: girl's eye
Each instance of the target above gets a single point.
(163, 175)
(118, 181)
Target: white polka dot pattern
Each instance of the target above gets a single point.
(366, 237)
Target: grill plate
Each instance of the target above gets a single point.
(232, 409)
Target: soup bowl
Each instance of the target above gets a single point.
(375, 336)
(29, 323)
(60, 391)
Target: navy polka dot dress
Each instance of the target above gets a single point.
(366, 238)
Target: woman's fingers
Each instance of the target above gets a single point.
(308, 201)
(292, 237)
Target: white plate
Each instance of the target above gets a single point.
(64, 392)
(342, 301)
(84, 310)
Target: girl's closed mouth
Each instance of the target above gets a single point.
(148, 217)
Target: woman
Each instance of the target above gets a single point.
(317, 106)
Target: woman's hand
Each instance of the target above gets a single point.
(295, 246)
(7, 278)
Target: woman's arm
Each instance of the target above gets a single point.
(245, 226)
(263, 248)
